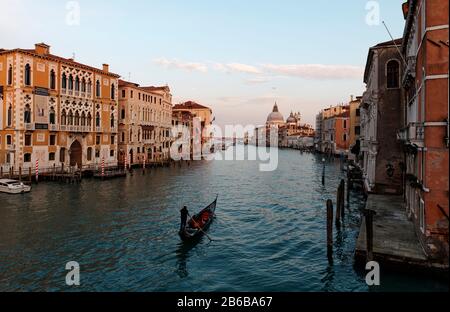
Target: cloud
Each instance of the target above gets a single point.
(243, 68)
(258, 80)
(189, 66)
(316, 71)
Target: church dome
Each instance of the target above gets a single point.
(291, 119)
(275, 117)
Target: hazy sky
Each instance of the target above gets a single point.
(238, 57)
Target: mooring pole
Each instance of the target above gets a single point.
(369, 233)
(338, 206)
(330, 229)
(323, 172)
(342, 198)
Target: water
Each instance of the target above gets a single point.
(269, 234)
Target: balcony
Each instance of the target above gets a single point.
(414, 133)
(10, 147)
(29, 127)
(53, 127)
(64, 91)
(98, 129)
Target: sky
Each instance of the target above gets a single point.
(237, 57)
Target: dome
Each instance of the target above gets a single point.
(291, 119)
(275, 117)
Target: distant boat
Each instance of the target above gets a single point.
(13, 187)
(199, 223)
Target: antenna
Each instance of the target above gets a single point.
(393, 41)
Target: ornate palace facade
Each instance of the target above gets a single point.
(56, 111)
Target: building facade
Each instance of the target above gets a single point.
(145, 123)
(426, 131)
(381, 117)
(355, 128)
(203, 113)
(55, 111)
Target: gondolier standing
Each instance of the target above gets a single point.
(184, 216)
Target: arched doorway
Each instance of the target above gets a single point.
(76, 154)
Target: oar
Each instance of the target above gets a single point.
(201, 230)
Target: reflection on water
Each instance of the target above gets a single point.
(269, 234)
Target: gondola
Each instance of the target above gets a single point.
(199, 223)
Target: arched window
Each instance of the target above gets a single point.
(77, 84)
(97, 119)
(112, 121)
(97, 88)
(27, 114)
(83, 119)
(28, 75)
(52, 116)
(10, 73)
(89, 86)
(9, 116)
(113, 92)
(77, 119)
(52, 80)
(64, 81)
(70, 82)
(89, 119)
(83, 85)
(393, 74)
(63, 117)
(70, 118)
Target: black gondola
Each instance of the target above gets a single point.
(199, 223)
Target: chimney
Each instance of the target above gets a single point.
(351, 98)
(106, 68)
(42, 48)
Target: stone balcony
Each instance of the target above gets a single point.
(413, 133)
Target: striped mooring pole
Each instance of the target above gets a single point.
(37, 170)
(103, 167)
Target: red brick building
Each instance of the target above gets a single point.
(426, 131)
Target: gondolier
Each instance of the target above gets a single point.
(184, 216)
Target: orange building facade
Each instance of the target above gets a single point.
(426, 132)
(55, 111)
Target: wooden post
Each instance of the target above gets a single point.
(29, 174)
(338, 207)
(342, 197)
(20, 174)
(369, 233)
(54, 171)
(323, 172)
(330, 229)
(1, 172)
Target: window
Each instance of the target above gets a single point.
(10, 73)
(97, 140)
(97, 119)
(27, 114)
(9, 116)
(393, 75)
(122, 114)
(51, 157)
(83, 119)
(97, 153)
(139, 95)
(89, 153)
(123, 136)
(8, 140)
(345, 124)
(77, 84)
(422, 215)
(131, 93)
(357, 130)
(70, 118)
(62, 155)
(64, 81)
(89, 86)
(113, 92)
(52, 139)
(27, 139)
(27, 158)
(112, 121)
(111, 153)
(113, 140)
(52, 80)
(83, 85)
(27, 75)
(345, 137)
(77, 119)
(70, 82)
(63, 117)
(89, 119)
(358, 112)
(97, 88)
(123, 93)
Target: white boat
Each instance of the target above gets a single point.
(13, 187)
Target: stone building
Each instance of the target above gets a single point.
(203, 113)
(355, 127)
(145, 123)
(381, 118)
(425, 133)
(56, 111)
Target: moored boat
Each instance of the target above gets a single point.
(199, 223)
(13, 187)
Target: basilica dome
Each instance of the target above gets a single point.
(275, 116)
(291, 119)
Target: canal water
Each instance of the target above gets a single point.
(269, 234)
